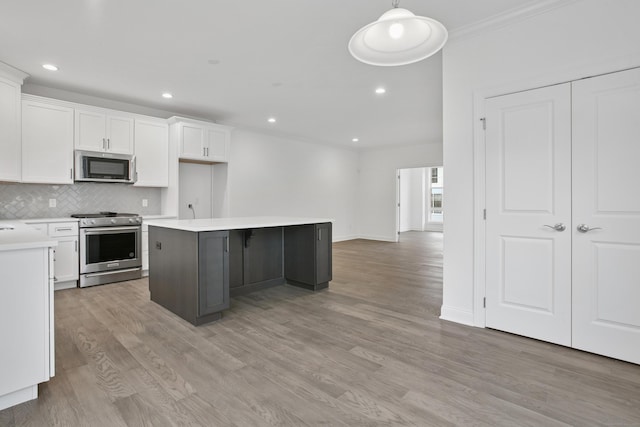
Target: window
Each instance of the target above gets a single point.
(435, 193)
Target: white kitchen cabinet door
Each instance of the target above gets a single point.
(90, 130)
(528, 192)
(66, 259)
(47, 143)
(10, 131)
(218, 144)
(606, 204)
(192, 142)
(119, 135)
(97, 130)
(152, 153)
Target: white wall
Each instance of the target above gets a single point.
(377, 185)
(195, 189)
(268, 175)
(579, 39)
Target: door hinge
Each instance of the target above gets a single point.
(484, 302)
(484, 214)
(484, 123)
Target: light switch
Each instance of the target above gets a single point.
(52, 203)
(145, 203)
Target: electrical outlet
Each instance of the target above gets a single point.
(145, 203)
(52, 203)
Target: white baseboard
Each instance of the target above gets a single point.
(344, 238)
(19, 396)
(379, 238)
(456, 315)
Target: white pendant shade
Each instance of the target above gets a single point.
(398, 38)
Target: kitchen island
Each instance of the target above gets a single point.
(27, 356)
(195, 266)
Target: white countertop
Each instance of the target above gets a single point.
(158, 216)
(42, 220)
(22, 236)
(241, 223)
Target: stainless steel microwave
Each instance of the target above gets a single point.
(105, 167)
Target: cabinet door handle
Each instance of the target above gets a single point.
(320, 234)
(226, 239)
(76, 245)
(109, 143)
(64, 229)
(71, 173)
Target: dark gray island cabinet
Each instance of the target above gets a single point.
(195, 266)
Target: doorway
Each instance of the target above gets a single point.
(420, 199)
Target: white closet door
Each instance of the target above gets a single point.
(528, 187)
(606, 195)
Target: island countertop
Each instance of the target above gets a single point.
(15, 235)
(237, 223)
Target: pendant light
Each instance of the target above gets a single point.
(398, 38)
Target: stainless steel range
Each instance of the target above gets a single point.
(110, 247)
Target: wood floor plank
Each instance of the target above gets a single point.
(369, 351)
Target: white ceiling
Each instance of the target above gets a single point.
(239, 62)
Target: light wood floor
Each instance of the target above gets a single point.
(369, 351)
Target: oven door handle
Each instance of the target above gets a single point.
(105, 273)
(102, 230)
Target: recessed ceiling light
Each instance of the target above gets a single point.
(167, 95)
(355, 139)
(271, 119)
(50, 67)
(380, 90)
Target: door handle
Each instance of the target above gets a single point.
(558, 227)
(584, 228)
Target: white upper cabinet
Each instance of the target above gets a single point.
(152, 153)
(47, 141)
(202, 141)
(10, 87)
(103, 130)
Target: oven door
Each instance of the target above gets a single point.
(110, 248)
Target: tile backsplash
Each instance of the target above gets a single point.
(22, 201)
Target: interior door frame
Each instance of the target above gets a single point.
(477, 316)
(398, 207)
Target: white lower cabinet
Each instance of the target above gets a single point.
(66, 255)
(26, 324)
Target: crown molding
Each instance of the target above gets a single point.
(507, 18)
(9, 72)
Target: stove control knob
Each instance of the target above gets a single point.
(131, 221)
(93, 221)
(113, 221)
(139, 220)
